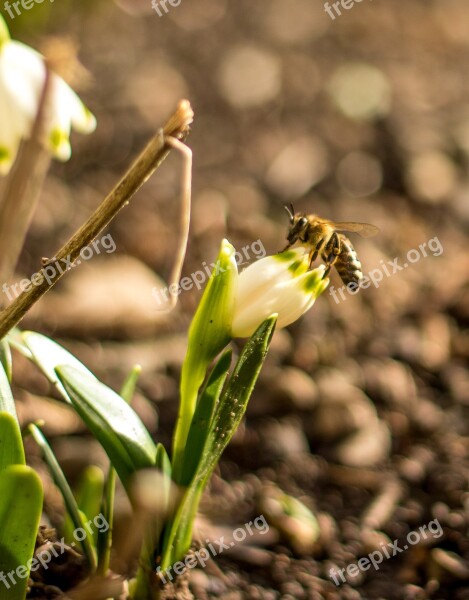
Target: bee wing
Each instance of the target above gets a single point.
(363, 229)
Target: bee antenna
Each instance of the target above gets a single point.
(291, 212)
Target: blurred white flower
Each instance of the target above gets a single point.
(22, 78)
(280, 284)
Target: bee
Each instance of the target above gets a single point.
(323, 236)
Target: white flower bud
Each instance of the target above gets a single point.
(280, 284)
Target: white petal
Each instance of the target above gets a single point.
(59, 126)
(81, 118)
(292, 305)
(288, 301)
(262, 275)
(12, 125)
(23, 73)
(9, 135)
(289, 298)
(68, 110)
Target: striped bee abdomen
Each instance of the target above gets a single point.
(347, 264)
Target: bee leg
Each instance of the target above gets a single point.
(314, 253)
(331, 253)
(332, 250)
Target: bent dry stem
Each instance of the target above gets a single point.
(144, 166)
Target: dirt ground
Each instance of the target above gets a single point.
(361, 411)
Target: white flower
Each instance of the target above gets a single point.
(22, 77)
(280, 284)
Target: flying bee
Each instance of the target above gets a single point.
(324, 237)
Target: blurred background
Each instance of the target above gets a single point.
(361, 409)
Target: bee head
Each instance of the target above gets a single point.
(298, 224)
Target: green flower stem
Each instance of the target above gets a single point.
(209, 333)
(227, 416)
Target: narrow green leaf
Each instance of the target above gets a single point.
(104, 544)
(90, 491)
(48, 355)
(128, 387)
(154, 537)
(7, 404)
(202, 418)
(209, 333)
(5, 357)
(20, 512)
(89, 495)
(235, 397)
(164, 465)
(227, 417)
(112, 421)
(11, 442)
(60, 480)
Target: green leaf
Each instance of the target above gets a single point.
(143, 584)
(90, 491)
(111, 420)
(20, 512)
(104, 544)
(164, 465)
(209, 333)
(7, 404)
(227, 417)
(4, 32)
(11, 442)
(89, 496)
(5, 357)
(77, 517)
(48, 355)
(202, 418)
(233, 402)
(128, 387)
